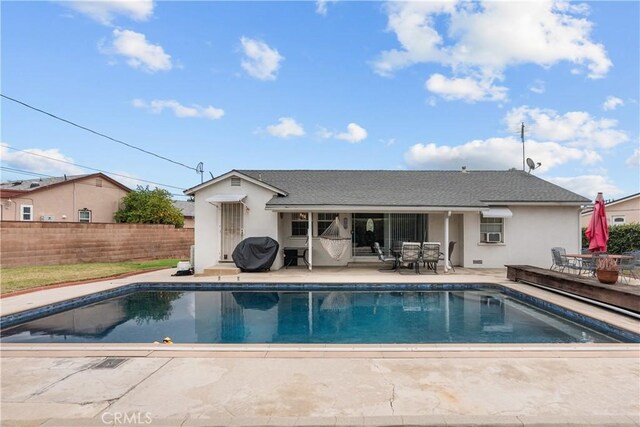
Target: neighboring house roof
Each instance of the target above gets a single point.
(9, 188)
(474, 189)
(588, 210)
(187, 208)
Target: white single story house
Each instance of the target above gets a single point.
(495, 217)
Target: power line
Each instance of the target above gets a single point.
(94, 169)
(96, 132)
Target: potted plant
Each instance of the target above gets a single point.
(607, 270)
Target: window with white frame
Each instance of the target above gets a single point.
(299, 224)
(324, 221)
(84, 215)
(491, 230)
(617, 220)
(26, 212)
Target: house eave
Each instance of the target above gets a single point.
(191, 191)
(371, 208)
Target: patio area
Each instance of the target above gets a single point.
(443, 384)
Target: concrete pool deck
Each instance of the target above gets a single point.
(198, 385)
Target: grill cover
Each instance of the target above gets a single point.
(255, 253)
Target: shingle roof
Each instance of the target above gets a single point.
(40, 183)
(187, 208)
(410, 188)
(32, 184)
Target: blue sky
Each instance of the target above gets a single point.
(323, 85)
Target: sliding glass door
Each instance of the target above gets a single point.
(389, 230)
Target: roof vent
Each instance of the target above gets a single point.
(235, 181)
(464, 169)
(34, 185)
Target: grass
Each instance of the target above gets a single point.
(19, 278)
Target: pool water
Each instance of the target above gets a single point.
(319, 316)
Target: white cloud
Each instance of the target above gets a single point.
(354, 134)
(158, 105)
(611, 103)
(466, 89)
(261, 61)
(105, 11)
(50, 161)
(634, 159)
(483, 39)
(493, 154)
(587, 185)
(575, 128)
(537, 87)
(138, 51)
(285, 128)
(321, 6)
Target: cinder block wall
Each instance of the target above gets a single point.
(46, 243)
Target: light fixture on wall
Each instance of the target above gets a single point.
(345, 222)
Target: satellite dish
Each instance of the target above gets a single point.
(532, 165)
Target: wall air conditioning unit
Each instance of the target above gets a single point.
(495, 237)
(47, 218)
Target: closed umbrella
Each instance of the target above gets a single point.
(598, 230)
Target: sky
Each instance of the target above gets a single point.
(322, 85)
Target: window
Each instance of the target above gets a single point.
(299, 224)
(26, 212)
(84, 215)
(491, 230)
(617, 220)
(325, 220)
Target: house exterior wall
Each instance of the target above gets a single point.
(629, 209)
(63, 201)
(528, 237)
(257, 220)
(436, 233)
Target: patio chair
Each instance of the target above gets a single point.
(431, 255)
(588, 265)
(451, 246)
(628, 266)
(385, 259)
(410, 255)
(560, 260)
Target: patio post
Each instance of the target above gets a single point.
(446, 241)
(310, 240)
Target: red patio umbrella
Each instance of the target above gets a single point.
(598, 230)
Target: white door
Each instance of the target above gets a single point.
(232, 229)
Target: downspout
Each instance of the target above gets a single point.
(446, 241)
(310, 239)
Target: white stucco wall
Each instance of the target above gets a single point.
(436, 233)
(528, 237)
(257, 220)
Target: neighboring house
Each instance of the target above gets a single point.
(495, 217)
(79, 198)
(188, 211)
(621, 211)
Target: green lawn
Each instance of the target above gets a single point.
(18, 278)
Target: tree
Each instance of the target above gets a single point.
(145, 206)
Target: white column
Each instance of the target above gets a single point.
(310, 239)
(445, 250)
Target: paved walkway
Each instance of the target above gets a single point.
(514, 385)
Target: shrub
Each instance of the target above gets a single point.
(622, 238)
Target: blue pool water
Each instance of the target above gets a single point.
(405, 315)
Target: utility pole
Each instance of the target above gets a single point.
(522, 138)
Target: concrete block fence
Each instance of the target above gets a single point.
(47, 243)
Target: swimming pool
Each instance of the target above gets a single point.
(337, 314)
